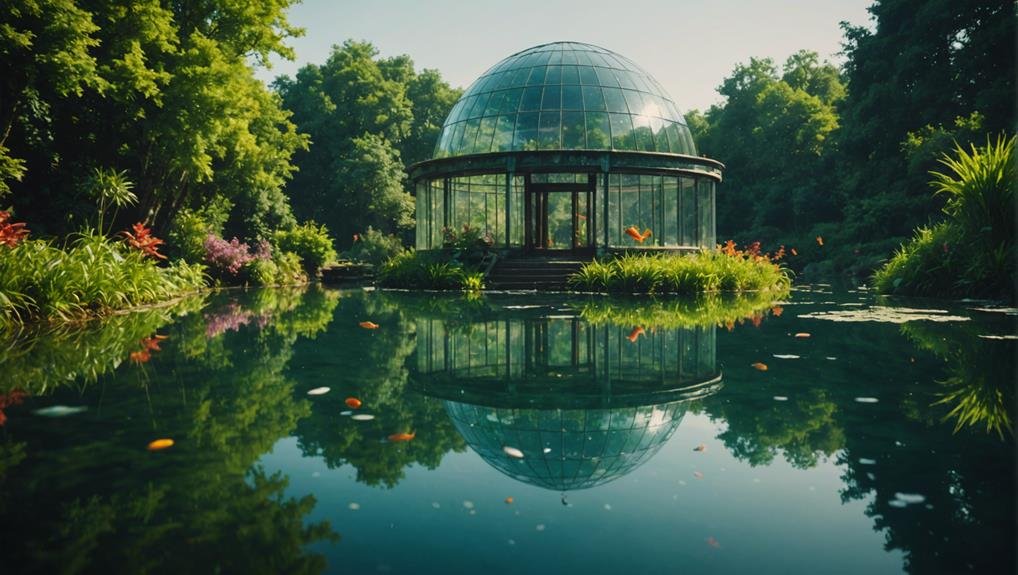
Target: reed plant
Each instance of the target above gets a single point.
(92, 275)
(971, 252)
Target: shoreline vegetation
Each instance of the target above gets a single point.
(972, 251)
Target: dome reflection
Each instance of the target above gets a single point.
(585, 404)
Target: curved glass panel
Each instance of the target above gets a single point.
(518, 105)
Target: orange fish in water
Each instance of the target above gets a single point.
(713, 543)
(794, 253)
(635, 334)
(508, 500)
(395, 437)
(634, 233)
(356, 237)
(701, 448)
(802, 335)
(820, 240)
(369, 325)
(352, 402)
(160, 444)
(760, 366)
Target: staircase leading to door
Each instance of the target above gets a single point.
(533, 272)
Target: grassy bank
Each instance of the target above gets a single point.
(971, 252)
(429, 270)
(91, 276)
(724, 269)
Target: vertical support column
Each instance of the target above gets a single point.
(509, 173)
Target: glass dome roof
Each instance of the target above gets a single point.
(566, 449)
(564, 96)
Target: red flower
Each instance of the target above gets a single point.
(142, 239)
(11, 234)
(148, 345)
(12, 398)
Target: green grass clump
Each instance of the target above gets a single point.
(972, 252)
(92, 276)
(704, 271)
(420, 270)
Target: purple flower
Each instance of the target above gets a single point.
(227, 256)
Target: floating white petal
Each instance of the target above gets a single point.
(513, 452)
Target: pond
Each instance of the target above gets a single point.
(831, 432)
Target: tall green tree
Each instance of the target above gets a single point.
(368, 117)
(773, 132)
(923, 63)
(165, 92)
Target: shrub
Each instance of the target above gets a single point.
(289, 268)
(419, 270)
(311, 242)
(190, 228)
(375, 247)
(92, 276)
(972, 252)
(227, 258)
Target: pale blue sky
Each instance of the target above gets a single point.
(688, 46)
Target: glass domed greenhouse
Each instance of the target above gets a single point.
(567, 147)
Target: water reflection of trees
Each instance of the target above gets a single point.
(87, 496)
(373, 365)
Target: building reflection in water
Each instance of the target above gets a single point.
(585, 404)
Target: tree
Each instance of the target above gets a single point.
(165, 93)
(366, 117)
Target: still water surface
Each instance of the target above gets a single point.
(514, 434)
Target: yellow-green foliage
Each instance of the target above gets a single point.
(703, 310)
(92, 276)
(704, 271)
(972, 252)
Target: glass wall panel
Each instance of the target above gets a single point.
(598, 131)
(705, 210)
(593, 99)
(503, 137)
(687, 211)
(421, 215)
(614, 210)
(572, 130)
(644, 138)
(614, 101)
(622, 132)
(631, 216)
(552, 99)
(548, 135)
(516, 222)
(670, 198)
(598, 210)
(526, 131)
(438, 222)
(485, 134)
(572, 98)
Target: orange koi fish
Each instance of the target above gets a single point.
(352, 402)
(759, 365)
(369, 325)
(160, 444)
(635, 334)
(508, 500)
(794, 252)
(802, 335)
(396, 437)
(634, 233)
(820, 240)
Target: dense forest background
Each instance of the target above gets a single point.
(164, 93)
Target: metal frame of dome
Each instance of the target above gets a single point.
(568, 145)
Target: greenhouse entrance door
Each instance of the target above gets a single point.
(560, 217)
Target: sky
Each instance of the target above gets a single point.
(689, 47)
